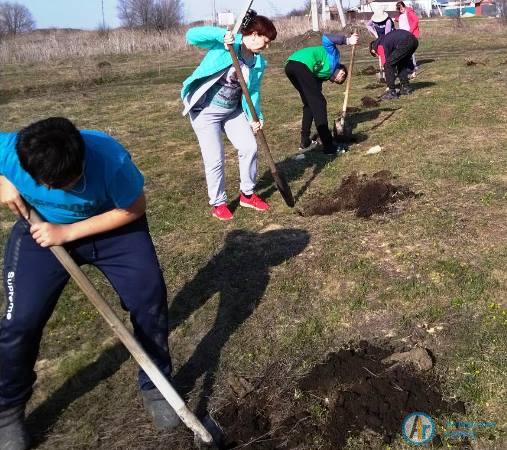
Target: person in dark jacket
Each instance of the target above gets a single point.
(307, 69)
(395, 50)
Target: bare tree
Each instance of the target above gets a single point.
(167, 14)
(150, 14)
(15, 18)
(135, 13)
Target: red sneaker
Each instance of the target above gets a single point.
(254, 202)
(222, 212)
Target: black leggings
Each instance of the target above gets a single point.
(314, 102)
(400, 61)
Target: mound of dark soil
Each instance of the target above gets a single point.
(354, 390)
(376, 85)
(472, 62)
(370, 70)
(364, 34)
(308, 39)
(366, 195)
(369, 102)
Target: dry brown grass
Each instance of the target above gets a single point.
(60, 44)
(51, 45)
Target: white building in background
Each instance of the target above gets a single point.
(225, 19)
(366, 6)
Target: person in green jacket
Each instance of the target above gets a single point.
(307, 69)
(213, 98)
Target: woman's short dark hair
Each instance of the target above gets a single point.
(260, 24)
(51, 151)
(399, 5)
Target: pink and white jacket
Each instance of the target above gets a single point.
(409, 21)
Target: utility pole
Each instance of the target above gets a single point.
(103, 16)
(340, 12)
(214, 12)
(315, 16)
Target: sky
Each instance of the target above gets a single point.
(87, 14)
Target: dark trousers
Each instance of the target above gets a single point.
(400, 62)
(314, 102)
(34, 279)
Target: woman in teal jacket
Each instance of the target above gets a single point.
(213, 99)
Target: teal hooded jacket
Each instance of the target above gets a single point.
(217, 59)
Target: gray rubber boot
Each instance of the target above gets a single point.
(164, 417)
(13, 434)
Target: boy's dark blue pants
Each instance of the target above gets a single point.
(34, 279)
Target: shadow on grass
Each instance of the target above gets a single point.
(239, 274)
(294, 169)
(371, 115)
(5, 97)
(46, 415)
(416, 85)
(423, 61)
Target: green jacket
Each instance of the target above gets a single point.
(322, 60)
(218, 59)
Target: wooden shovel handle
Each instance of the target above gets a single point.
(260, 134)
(347, 86)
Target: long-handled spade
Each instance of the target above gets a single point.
(342, 129)
(279, 178)
(207, 433)
(381, 75)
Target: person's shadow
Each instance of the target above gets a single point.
(239, 273)
(294, 169)
(43, 418)
(4, 97)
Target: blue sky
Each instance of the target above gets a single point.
(87, 13)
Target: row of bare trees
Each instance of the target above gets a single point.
(14, 19)
(150, 14)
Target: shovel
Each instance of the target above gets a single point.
(340, 128)
(279, 178)
(381, 76)
(204, 436)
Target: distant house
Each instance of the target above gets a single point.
(367, 8)
(225, 18)
(470, 8)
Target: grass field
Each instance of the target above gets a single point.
(266, 297)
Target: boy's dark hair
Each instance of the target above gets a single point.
(261, 24)
(51, 151)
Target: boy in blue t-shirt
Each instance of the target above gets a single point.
(85, 185)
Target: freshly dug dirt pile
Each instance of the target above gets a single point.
(308, 39)
(377, 85)
(364, 34)
(471, 62)
(370, 70)
(369, 102)
(353, 391)
(366, 195)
